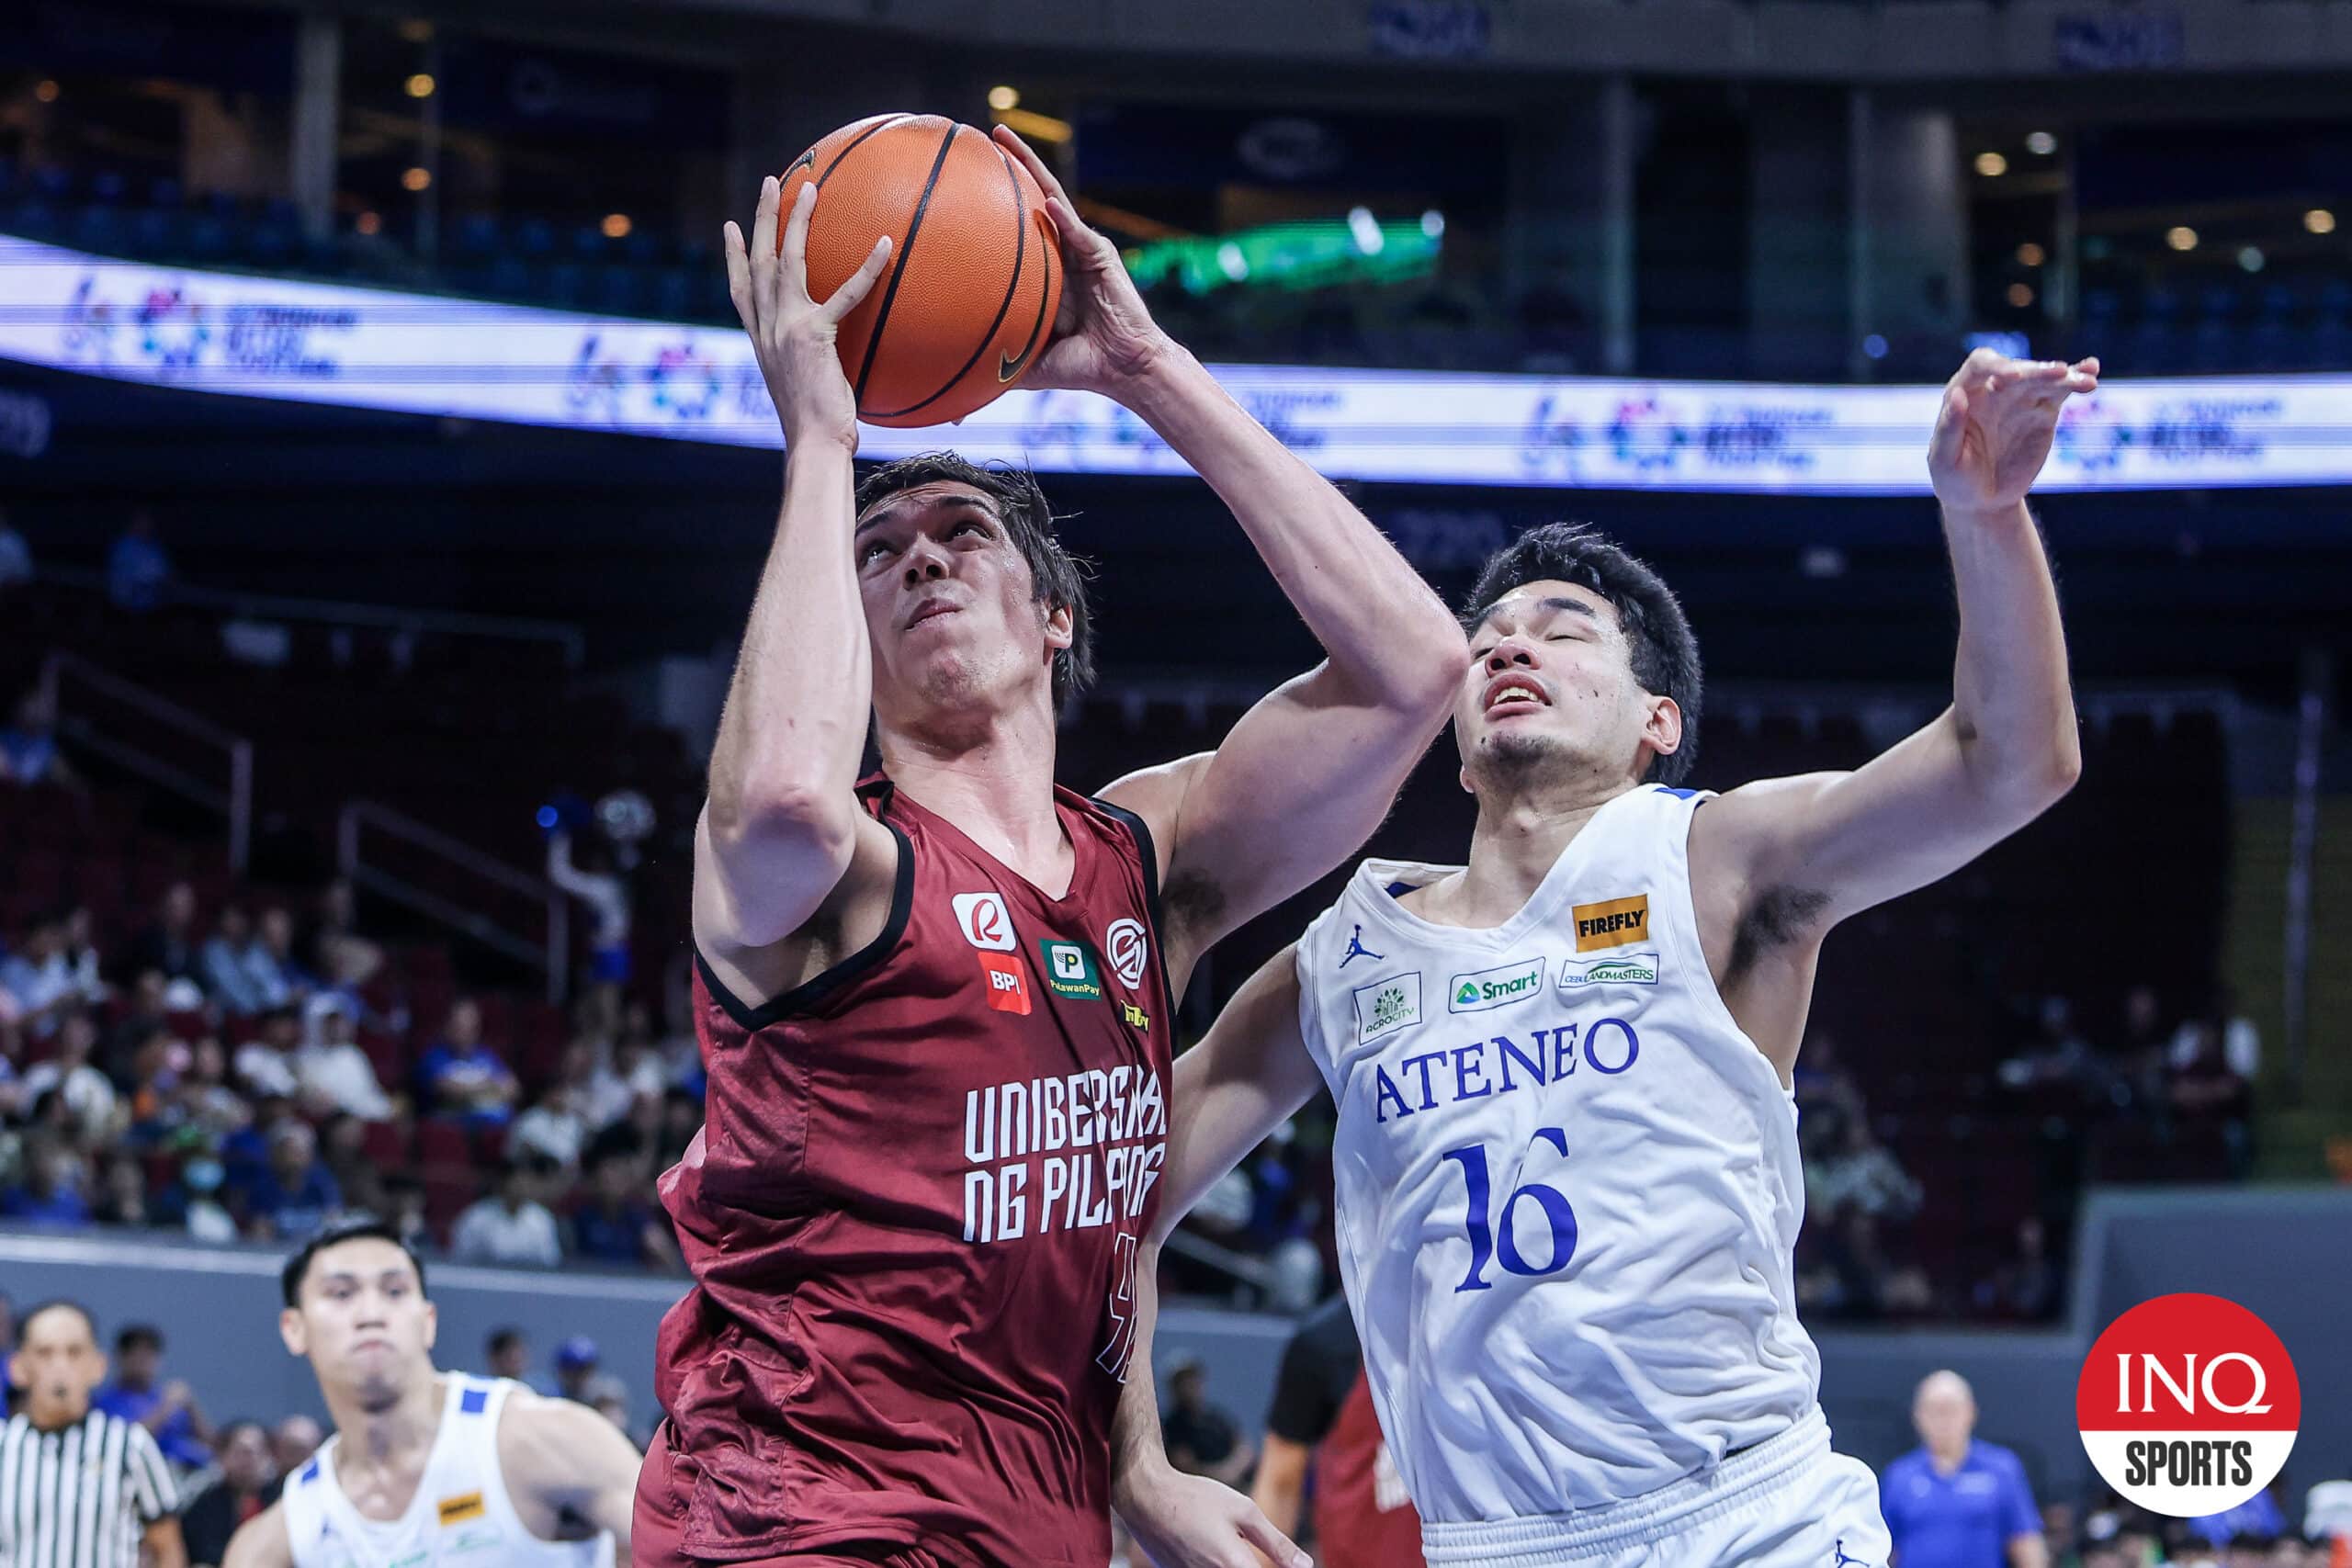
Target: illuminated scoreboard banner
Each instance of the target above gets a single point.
(423, 353)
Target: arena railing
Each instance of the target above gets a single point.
(550, 955)
(77, 692)
(393, 619)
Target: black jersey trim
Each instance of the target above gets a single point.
(805, 997)
(1135, 826)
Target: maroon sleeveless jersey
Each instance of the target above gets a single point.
(1362, 1517)
(911, 1216)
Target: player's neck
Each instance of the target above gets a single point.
(996, 782)
(1518, 839)
(394, 1437)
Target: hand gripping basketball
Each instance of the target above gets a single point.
(792, 334)
(1103, 337)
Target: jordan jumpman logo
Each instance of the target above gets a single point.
(1356, 949)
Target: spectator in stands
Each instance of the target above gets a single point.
(2241, 1041)
(2206, 1096)
(266, 1064)
(2061, 1057)
(1201, 1439)
(463, 1077)
(146, 1011)
(82, 956)
(15, 556)
(12, 1047)
(28, 753)
(331, 1068)
(627, 1071)
(681, 1120)
(404, 1210)
(616, 1224)
(507, 1354)
(1956, 1501)
(137, 570)
(169, 945)
(557, 1125)
(217, 1512)
(2260, 1517)
(291, 1443)
(203, 1100)
(122, 1192)
(272, 962)
(89, 1097)
(193, 1202)
(168, 1410)
(48, 1194)
(343, 1148)
(1856, 1172)
(2029, 1286)
(333, 948)
(511, 1225)
(236, 967)
(294, 1193)
(577, 1377)
(1822, 1081)
(41, 978)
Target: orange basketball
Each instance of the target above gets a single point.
(967, 299)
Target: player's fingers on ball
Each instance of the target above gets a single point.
(763, 230)
(796, 238)
(1039, 170)
(739, 271)
(848, 297)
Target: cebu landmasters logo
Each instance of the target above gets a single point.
(2189, 1404)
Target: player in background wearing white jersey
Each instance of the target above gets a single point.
(426, 1466)
(1566, 1218)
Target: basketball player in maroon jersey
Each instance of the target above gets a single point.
(1322, 1418)
(936, 1006)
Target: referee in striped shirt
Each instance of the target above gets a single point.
(79, 1488)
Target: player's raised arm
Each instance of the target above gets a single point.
(1309, 772)
(572, 1467)
(1802, 853)
(781, 828)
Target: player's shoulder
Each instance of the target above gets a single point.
(262, 1541)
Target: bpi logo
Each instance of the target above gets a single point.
(1124, 944)
(2189, 1404)
(985, 923)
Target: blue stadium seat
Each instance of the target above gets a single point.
(164, 192)
(509, 276)
(563, 283)
(673, 290)
(621, 290)
(534, 237)
(477, 234)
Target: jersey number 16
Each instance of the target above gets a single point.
(1550, 1198)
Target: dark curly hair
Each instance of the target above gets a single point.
(1665, 653)
(1058, 576)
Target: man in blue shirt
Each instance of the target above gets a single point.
(168, 1410)
(1954, 1502)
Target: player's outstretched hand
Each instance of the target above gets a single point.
(792, 334)
(1994, 432)
(1103, 338)
(1189, 1521)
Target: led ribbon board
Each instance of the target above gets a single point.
(428, 355)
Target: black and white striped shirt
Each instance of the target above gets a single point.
(80, 1496)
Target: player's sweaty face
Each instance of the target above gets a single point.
(364, 1316)
(950, 605)
(1550, 676)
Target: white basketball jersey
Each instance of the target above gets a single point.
(1568, 1184)
(460, 1514)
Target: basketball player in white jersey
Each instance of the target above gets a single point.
(1567, 1157)
(424, 1466)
